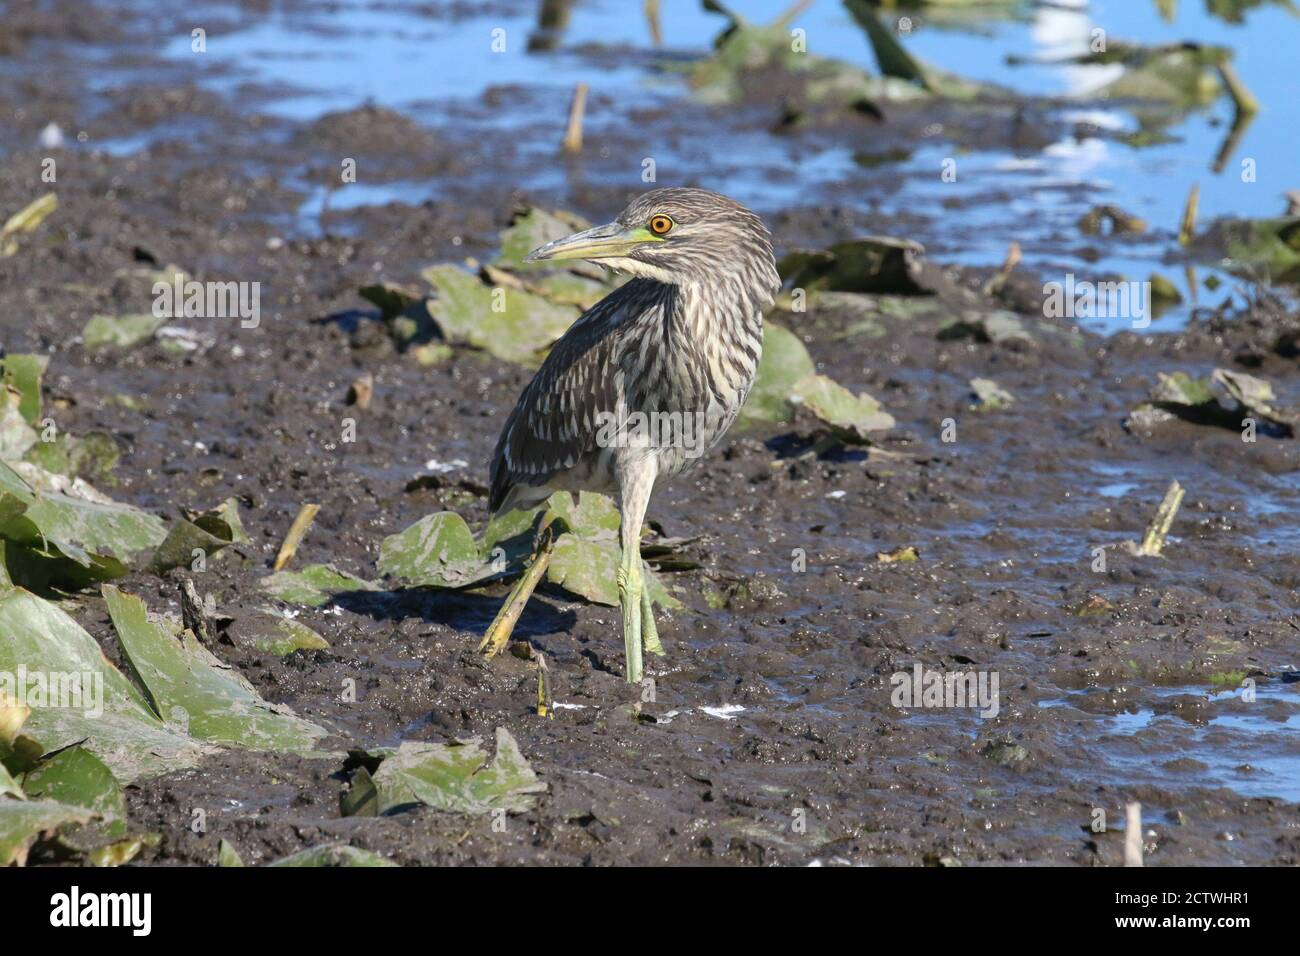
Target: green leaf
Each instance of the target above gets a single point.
(76, 777)
(282, 635)
(16, 436)
(589, 515)
(9, 786)
(457, 777)
(23, 822)
(588, 567)
(437, 551)
(23, 374)
(536, 228)
(110, 718)
(120, 331)
(206, 531)
(227, 855)
(71, 517)
(333, 856)
(785, 362)
(837, 406)
(509, 323)
(92, 456)
(313, 586)
(186, 683)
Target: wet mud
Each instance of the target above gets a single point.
(772, 736)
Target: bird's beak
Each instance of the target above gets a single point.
(610, 241)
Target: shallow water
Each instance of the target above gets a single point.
(339, 55)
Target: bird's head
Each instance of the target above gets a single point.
(677, 235)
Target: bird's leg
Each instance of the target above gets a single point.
(503, 625)
(636, 478)
(649, 630)
(630, 588)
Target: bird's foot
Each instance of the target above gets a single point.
(630, 590)
(650, 630)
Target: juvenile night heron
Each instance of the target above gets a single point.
(646, 381)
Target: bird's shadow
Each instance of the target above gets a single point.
(461, 610)
(794, 445)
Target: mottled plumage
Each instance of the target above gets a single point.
(684, 335)
(647, 380)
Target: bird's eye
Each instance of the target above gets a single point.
(660, 225)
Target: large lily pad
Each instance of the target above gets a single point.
(111, 719)
(512, 324)
(588, 566)
(456, 777)
(437, 551)
(186, 683)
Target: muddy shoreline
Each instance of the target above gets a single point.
(1107, 679)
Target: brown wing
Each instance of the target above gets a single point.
(554, 426)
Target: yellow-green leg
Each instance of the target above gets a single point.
(630, 590)
(649, 630)
(636, 479)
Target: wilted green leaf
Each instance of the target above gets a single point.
(76, 777)
(227, 855)
(876, 264)
(1180, 388)
(69, 515)
(1259, 248)
(392, 299)
(588, 567)
(127, 735)
(23, 374)
(837, 406)
(23, 821)
(333, 856)
(536, 228)
(510, 323)
(785, 362)
(186, 683)
(314, 585)
(457, 777)
(282, 635)
(91, 456)
(206, 531)
(120, 331)
(437, 551)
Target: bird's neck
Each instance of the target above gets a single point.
(724, 308)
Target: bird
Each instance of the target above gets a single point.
(644, 383)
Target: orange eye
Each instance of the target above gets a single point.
(660, 225)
